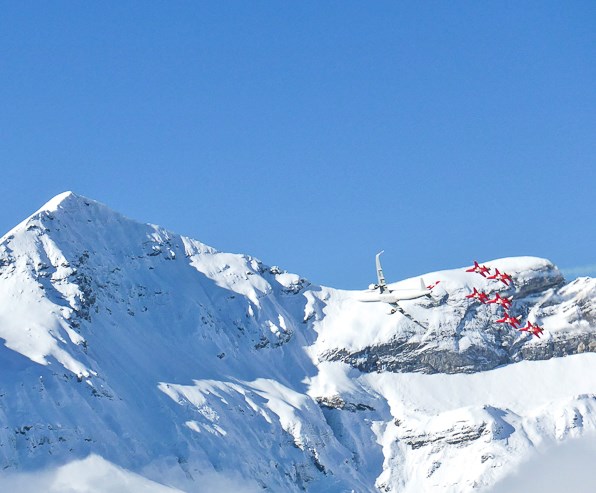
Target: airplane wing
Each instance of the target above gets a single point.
(380, 276)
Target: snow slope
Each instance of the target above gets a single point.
(488, 421)
(164, 358)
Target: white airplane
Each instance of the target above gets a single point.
(381, 293)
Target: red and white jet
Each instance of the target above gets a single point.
(499, 300)
(483, 270)
(532, 328)
(503, 277)
(478, 295)
(508, 319)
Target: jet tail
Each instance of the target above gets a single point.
(380, 276)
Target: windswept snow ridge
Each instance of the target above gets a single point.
(184, 365)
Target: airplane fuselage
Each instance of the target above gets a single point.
(393, 296)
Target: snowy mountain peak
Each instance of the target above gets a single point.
(188, 365)
(68, 211)
(62, 200)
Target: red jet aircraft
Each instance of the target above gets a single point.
(433, 285)
(508, 319)
(480, 296)
(483, 270)
(532, 328)
(503, 277)
(504, 302)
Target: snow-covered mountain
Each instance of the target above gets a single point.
(155, 358)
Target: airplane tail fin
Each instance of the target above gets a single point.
(380, 276)
(427, 288)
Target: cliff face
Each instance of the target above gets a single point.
(191, 366)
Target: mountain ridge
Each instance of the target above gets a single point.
(169, 358)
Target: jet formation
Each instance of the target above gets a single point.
(504, 302)
(380, 292)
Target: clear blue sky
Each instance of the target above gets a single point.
(313, 134)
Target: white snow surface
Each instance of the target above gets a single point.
(135, 359)
(90, 475)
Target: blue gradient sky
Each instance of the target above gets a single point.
(313, 134)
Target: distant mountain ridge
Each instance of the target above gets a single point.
(181, 363)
